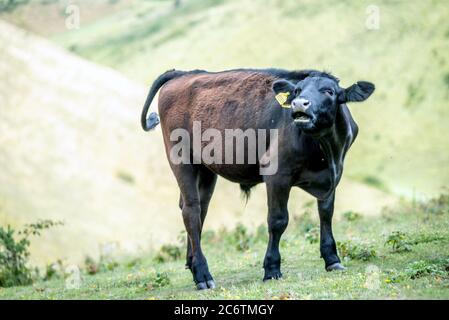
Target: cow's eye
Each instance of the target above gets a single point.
(328, 92)
(297, 91)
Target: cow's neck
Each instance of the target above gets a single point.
(335, 144)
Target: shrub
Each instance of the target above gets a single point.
(242, 239)
(54, 271)
(422, 268)
(401, 242)
(167, 253)
(10, 5)
(398, 242)
(426, 238)
(14, 253)
(239, 238)
(160, 280)
(352, 216)
(350, 250)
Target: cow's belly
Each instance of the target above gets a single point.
(239, 173)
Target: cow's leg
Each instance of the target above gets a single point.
(188, 178)
(206, 186)
(277, 223)
(328, 246)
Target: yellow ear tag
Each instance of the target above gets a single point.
(282, 99)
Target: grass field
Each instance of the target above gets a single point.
(416, 267)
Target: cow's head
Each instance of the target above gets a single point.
(316, 99)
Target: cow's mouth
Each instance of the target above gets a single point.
(301, 117)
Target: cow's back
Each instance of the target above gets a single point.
(224, 100)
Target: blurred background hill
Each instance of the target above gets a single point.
(71, 147)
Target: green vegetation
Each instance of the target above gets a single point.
(398, 241)
(352, 215)
(374, 271)
(356, 251)
(15, 251)
(9, 5)
(168, 252)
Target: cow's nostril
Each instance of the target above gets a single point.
(306, 103)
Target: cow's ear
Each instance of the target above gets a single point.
(282, 86)
(359, 91)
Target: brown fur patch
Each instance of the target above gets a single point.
(219, 100)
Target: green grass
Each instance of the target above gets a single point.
(421, 272)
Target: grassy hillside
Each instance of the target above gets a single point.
(403, 145)
(71, 149)
(414, 263)
(47, 17)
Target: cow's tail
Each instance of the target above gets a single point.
(150, 122)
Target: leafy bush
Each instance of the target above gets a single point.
(54, 271)
(242, 239)
(10, 5)
(167, 253)
(351, 250)
(398, 242)
(401, 242)
(422, 268)
(14, 253)
(426, 238)
(352, 216)
(239, 238)
(160, 280)
(374, 182)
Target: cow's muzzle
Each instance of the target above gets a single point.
(300, 107)
(301, 116)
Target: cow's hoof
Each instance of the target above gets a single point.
(206, 285)
(336, 267)
(211, 284)
(201, 286)
(272, 276)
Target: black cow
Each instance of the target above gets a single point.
(314, 135)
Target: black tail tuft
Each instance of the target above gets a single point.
(246, 191)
